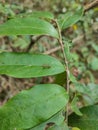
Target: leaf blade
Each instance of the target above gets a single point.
(38, 14)
(32, 107)
(24, 65)
(70, 19)
(88, 120)
(27, 26)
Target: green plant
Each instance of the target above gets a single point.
(44, 106)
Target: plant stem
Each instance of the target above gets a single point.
(91, 5)
(66, 65)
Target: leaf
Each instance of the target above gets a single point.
(92, 94)
(93, 91)
(89, 92)
(57, 119)
(63, 126)
(32, 107)
(94, 63)
(80, 87)
(74, 106)
(28, 25)
(72, 78)
(60, 78)
(38, 14)
(25, 65)
(75, 128)
(69, 19)
(95, 47)
(89, 120)
(67, 50)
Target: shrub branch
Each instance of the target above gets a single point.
(67, 86)
(91, 5)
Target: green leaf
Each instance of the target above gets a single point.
(92, 94)
(80, 87)
(67, 50)
(32, 107)
(63, 126)
(89, 120)
(60, 78)
(93, 91)
(89, 92)
(70, 18)
(74, 106)
(38, 14)
(75, 128)
(25, 65)
(57, 119)
(72, 78)
(94, 63)
(95, 47)
(28, 25)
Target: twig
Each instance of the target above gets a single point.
(66, 64)
(52, 50)
(91, 5)
(33, 41)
